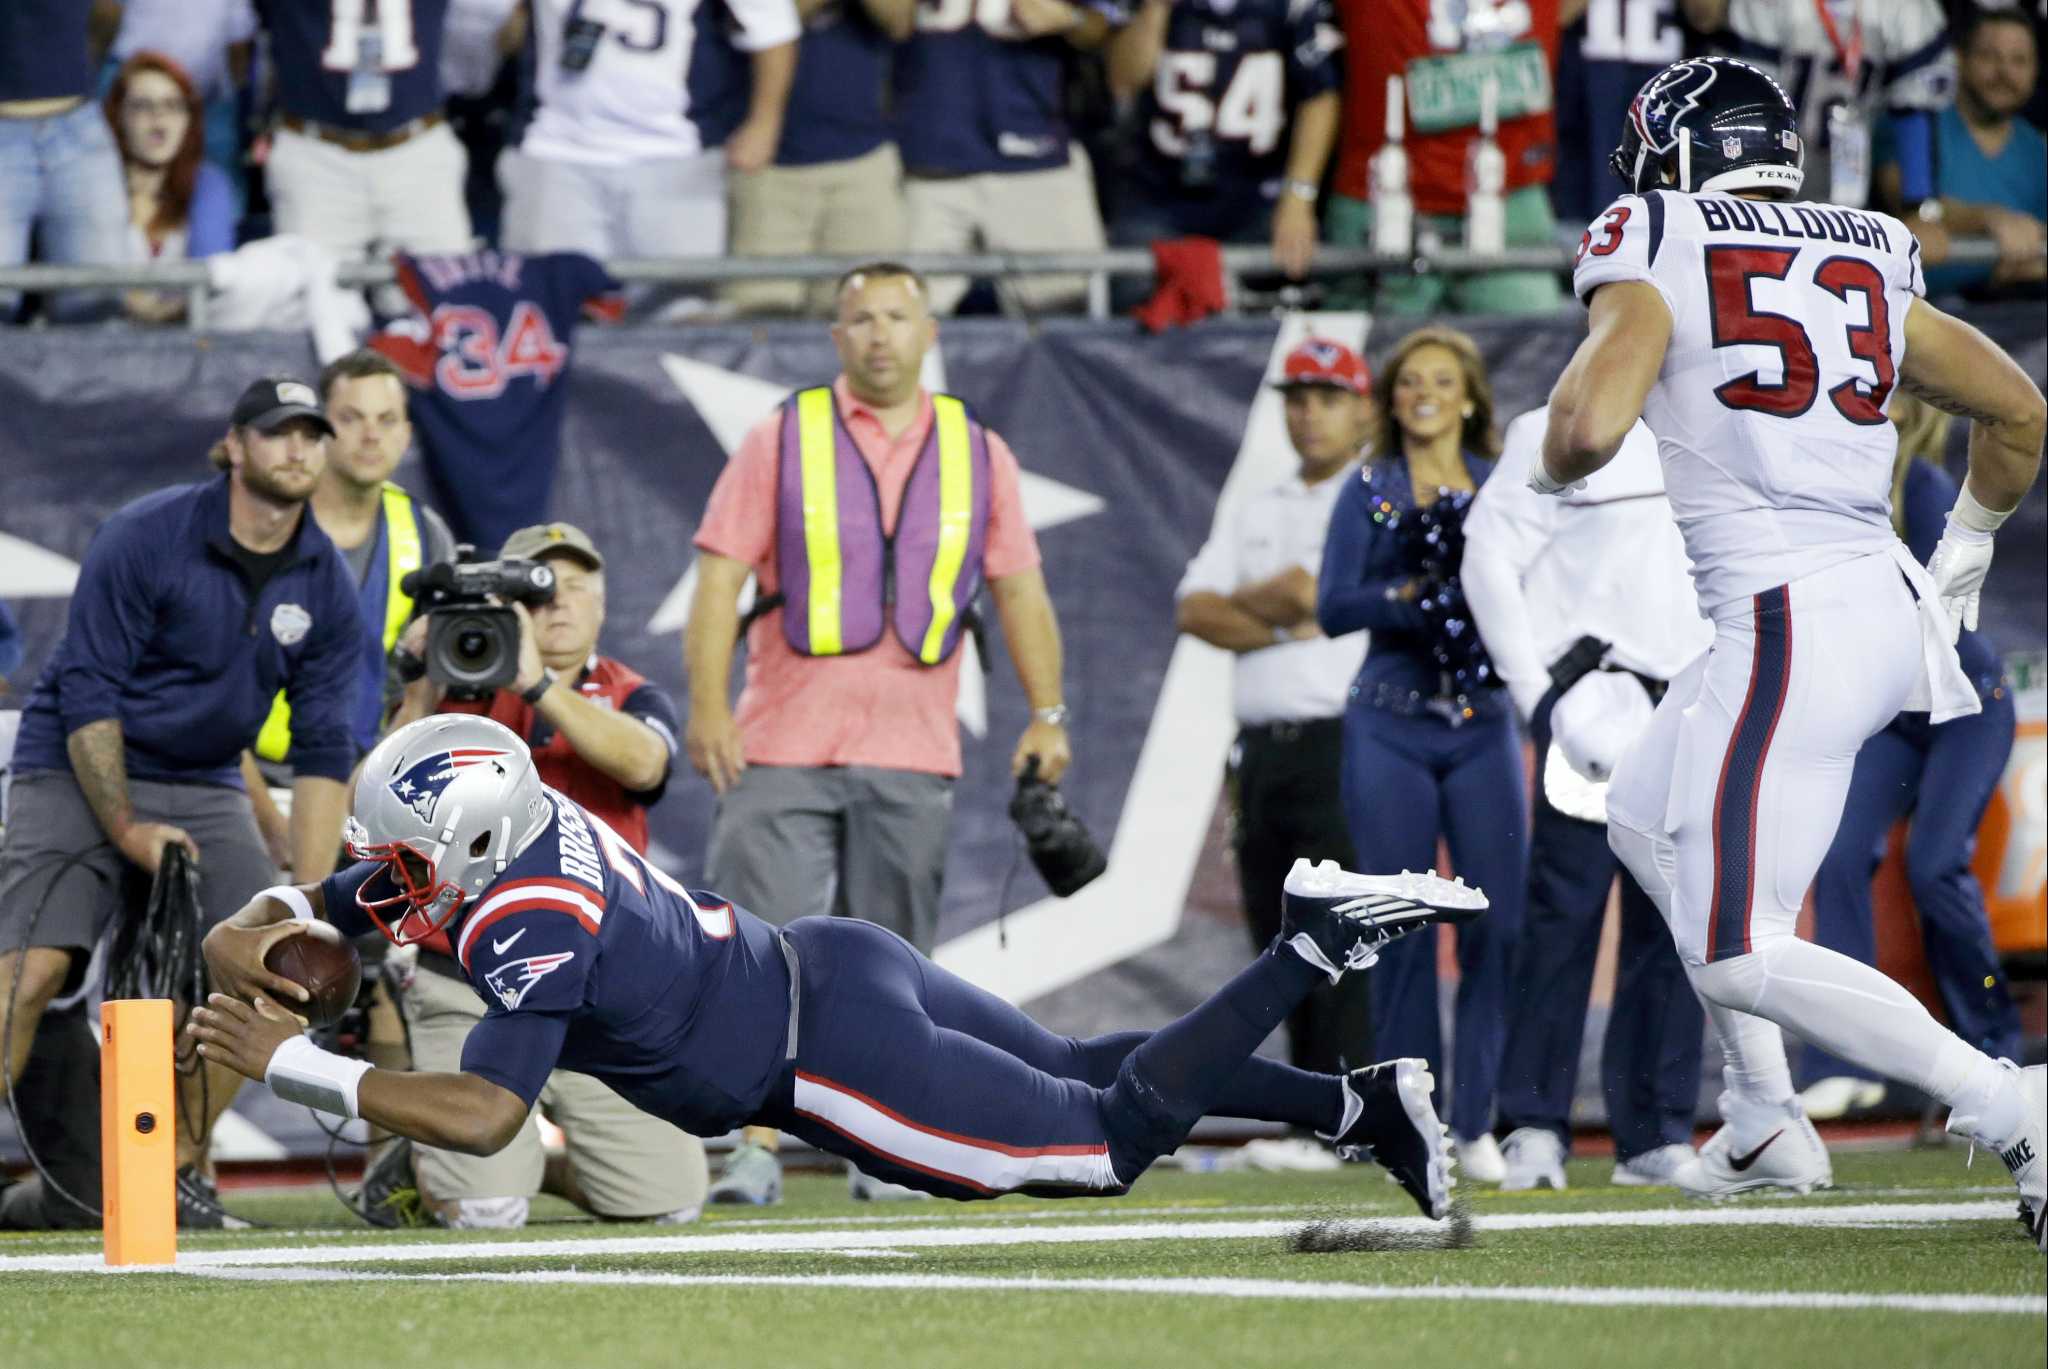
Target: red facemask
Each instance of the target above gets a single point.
(417, 892)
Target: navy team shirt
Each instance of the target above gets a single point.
(1234, 70)
(838, 105)
(590, 959)
(968, 102)
(314, 52)
(43, 50)
(487, 357)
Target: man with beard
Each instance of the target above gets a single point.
(835, 772)
(194, 606)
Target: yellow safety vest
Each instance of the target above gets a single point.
(402, 556)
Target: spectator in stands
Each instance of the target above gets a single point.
(122, 752)
(1843, 64)
(212, 42)
(1237, 113)
(605, 736)
(835, 779)
(1939, 780)
(362, 153)
(179, 204)
(57, 158)
(1252, 591)
(1603, 59)
(990, 160)
(1430, 747)
(836, 187)
(642, 112)
(1445, 61)
(2034, 15)
(1991, 167)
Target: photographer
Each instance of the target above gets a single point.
(835, 776)
(603, 735)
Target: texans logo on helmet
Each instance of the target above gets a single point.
(420, 787)
(1676, 92)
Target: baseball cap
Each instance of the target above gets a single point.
(530, 544)
(1319, 361)
(272, 400)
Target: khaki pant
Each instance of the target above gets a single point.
(628, 1164)
(849, 208)
(1012, 211)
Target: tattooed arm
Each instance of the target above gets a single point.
(102, 770)
(1958, 370)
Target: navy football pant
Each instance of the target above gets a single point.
(1650, 1058)
(1408, 780)
(1943, 777)
(923, 1079)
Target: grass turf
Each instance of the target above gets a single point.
(379, 1316)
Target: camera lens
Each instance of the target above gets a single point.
(472, 647)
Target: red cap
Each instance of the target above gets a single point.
(1319, 361)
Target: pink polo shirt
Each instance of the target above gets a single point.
(877, 707)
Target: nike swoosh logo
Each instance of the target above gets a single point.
(1739, 1163)
(500, 947)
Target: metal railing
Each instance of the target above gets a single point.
(191, 276)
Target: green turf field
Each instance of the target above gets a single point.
(1913, 1261)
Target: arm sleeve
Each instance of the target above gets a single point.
(516, 1050)
(113, 615)
(651, 704)
(1012, 546)
(764, 24)
(324, 682)
(210, 221)
(338, 897)
(1314, 40)
(1623, 243)
(1214, 569)
(532, 967)
(1347, 599)
(1506, 530)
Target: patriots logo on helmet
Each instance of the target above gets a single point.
(514, 979)
(420, 787)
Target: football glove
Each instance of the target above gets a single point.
(1958, 566)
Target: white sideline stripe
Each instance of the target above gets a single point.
(933, 1238)
(1966, 1304)
(959, 1160)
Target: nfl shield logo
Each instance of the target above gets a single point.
(1731, 147)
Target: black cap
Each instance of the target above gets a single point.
(273, 400)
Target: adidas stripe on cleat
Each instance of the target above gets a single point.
(1337, 920)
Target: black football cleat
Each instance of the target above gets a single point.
(1338, 921)
(1396, 1125)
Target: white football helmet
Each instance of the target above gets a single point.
(444, 804)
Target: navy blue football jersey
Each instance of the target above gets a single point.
(352, 64)
(969, 101)
(1216, 117)
(590, 959)
(487, 355)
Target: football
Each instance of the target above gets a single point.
(320, 961)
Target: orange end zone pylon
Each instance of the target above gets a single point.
(138, 1132)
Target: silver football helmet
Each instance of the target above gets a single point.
(444, 804)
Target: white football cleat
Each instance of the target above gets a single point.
(1759, 1145)
(1337, 921)
(1838, 1095)
(1653, 1168)
(2023, 1152)
(1479, 1158)
(1533, 1157)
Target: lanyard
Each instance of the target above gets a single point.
(1850, 54)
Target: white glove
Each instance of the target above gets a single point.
(1540, 481)
(1958, 566)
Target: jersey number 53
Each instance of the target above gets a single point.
(1737, 321)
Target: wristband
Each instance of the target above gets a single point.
(1304, 190)
(532, 697)
(290, 897)
(300, 1072)
(1973, 516)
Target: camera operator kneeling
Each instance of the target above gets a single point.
(607, 738)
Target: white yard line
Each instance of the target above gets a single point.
(957, 1237)
(1967, 1304)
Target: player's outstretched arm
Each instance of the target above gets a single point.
(236, 948)
(1960, 371)
(460, 1112)
(1600, 395)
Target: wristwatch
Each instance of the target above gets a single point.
(1056, 715)
(1303, 190)
(532, 696)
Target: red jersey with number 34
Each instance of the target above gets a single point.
(1788, 327)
